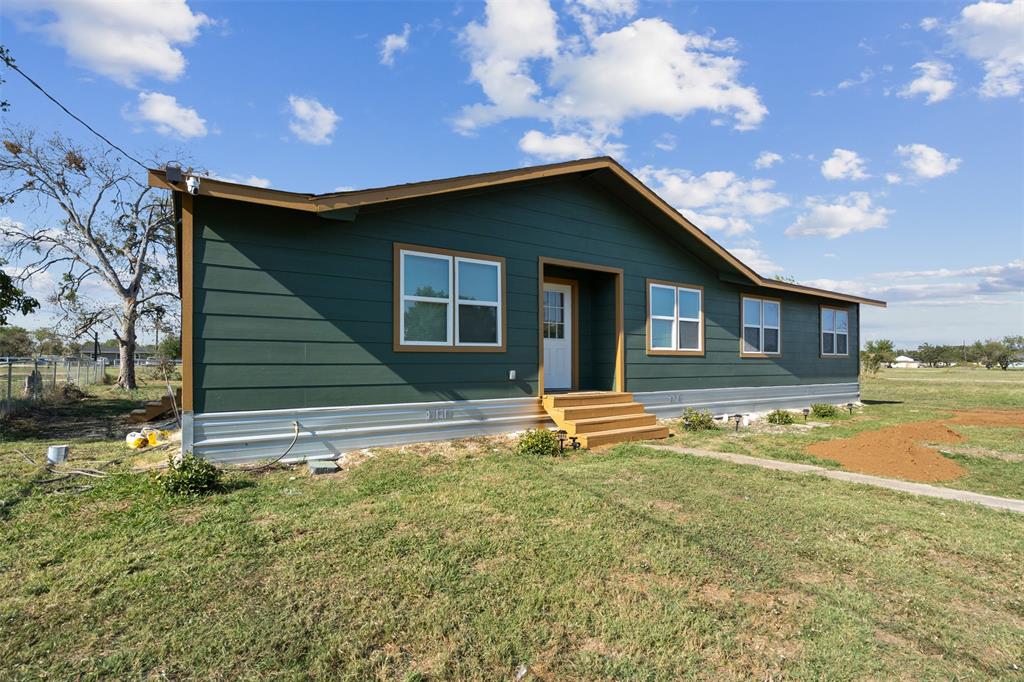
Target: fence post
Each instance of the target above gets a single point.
(78, 373)
(10, 387)
(55, 375)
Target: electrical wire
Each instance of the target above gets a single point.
(279, 457)
(10, 63)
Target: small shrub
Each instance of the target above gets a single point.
(694, 420)
(824, 410)
(191, 477)
(780, 417)
(538, 443)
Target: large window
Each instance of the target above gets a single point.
(448, 300)
(675, 319)
(761, 326)
(835, 331)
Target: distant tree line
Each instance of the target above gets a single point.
(22, 343)
(990, 353)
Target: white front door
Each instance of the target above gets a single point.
(557, 336)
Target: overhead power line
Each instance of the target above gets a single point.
(10, 63)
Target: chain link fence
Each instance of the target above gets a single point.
(23, 382)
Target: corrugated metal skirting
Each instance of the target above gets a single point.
(327, 432)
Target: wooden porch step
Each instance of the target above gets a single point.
(610, 423)
(559, 400)
(602, 417)
(593, 440)
(591, 411)
(151, 409)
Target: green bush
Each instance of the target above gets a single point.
(538, 443)
(694, 420)
(824, 410)
(780, 417)
(190, 477)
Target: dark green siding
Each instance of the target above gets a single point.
(292, 310)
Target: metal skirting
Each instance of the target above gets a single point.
(747, 399)
(327, 432)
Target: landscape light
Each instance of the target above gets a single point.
(806, 412)
(737, 418)
(849, 406)
(561, 435)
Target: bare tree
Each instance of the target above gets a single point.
(109, 228)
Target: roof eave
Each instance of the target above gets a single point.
(334, 201)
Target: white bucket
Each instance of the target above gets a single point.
(57, 454)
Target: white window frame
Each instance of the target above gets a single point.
(760, 327)
(834, 331)
(470, 302)
(675, 318)
(452, 302)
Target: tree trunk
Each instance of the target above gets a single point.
(126, 346)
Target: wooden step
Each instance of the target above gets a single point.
(151, 409)
(610, 423)
(591, 411)
(559, 400)
(593, 440)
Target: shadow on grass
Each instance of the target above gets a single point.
(882, 402)
(88, 419)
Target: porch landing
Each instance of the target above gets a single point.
(602, 417)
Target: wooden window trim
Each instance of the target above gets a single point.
(762, 355)
(703, 332)
(821, 333)
(451, 347)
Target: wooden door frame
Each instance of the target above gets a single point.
(574, 300)
(619, 382)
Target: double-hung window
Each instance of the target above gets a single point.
(675, 318)
(761, 327)
(448, 300)
(835, 331)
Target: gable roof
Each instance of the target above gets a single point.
(340, 202)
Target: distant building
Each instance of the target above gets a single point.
(904, 362)
(112, 354)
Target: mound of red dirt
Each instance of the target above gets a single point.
(897, 451)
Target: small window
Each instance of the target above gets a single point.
(835, 331)
(761, 327)
(449, 300)
(675, 318)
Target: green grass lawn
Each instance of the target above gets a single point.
(993, 456)
(466, 561)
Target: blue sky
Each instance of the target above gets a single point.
(871, 147)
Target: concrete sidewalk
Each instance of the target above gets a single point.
(1006, 503)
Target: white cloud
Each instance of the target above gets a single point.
(935, 82)
(844, 164)
(666, 142)
(992, 33)
(311, 121)
(123, 41)
(598, 80)
(564, 147)
(592, 14)
(717, 200)
(167, 116)
(394, 43)
(893, 178)
(926, 162)
(943, 285)
(757, 259)
(864, 77)
(767, 160)
(845, 215)
(929, 24)
(251, 180)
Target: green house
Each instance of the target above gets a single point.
(480, 304)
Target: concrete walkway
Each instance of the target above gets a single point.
(1007, 503)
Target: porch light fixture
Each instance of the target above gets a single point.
(561, 435)
(806, 412)
(737, 418)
